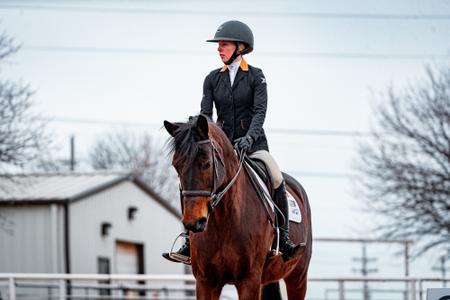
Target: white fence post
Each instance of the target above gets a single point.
(62, 289)
(12, 289)
(420, 290)
(341, 290)
(413, 290)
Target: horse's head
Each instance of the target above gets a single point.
(198, 160)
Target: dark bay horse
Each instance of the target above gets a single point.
(231, 235)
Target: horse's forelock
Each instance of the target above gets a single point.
(184, 143)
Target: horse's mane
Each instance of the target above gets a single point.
(184, 145)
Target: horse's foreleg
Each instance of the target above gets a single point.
(249, 289)
(296, 286)
(206, 291)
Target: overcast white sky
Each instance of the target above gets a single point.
(145, 61)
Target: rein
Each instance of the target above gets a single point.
(214, 194)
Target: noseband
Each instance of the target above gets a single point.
(214, 194)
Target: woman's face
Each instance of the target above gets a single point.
(226, 49)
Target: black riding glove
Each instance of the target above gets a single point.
(244, 143)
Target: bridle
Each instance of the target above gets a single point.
(214, 194)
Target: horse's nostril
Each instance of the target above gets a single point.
(201, 224)
(202, 221)
(197, 226)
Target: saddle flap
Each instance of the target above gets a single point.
(261, 170)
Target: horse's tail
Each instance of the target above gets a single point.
(271, 291)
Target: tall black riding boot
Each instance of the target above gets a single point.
(183, 255)
(286, 245)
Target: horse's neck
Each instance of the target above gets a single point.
(236, 202)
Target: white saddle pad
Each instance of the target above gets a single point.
(294, 210)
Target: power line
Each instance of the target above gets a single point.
(70, 163)
(320, 174)
(171, 11)
(313, 132)
(112, 50)
(309, 174)
(278, 54)
(340, 133)
(101, 122)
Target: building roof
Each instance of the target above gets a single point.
(66, 187)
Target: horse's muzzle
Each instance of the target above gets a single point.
(198, 226)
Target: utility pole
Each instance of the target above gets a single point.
(72, 153)
(365, 270)
(442, 268)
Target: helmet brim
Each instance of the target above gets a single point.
(216, 40)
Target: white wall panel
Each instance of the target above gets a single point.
(26, 239)
(153, 226)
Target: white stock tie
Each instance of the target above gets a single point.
(232, 69)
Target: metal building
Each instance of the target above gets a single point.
(84, 223)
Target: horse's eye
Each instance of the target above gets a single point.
(206, 165)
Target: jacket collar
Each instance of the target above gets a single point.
(243, 66)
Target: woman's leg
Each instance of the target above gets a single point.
(271, 164)
(288, 248)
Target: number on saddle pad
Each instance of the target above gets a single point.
(294, 211)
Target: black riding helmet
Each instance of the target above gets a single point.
(238, 32)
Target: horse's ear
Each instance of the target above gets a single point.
(202, 126)
(170, 127)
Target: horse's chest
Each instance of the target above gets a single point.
(226, 264)
(230, 255)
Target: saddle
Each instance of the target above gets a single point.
(262, 171)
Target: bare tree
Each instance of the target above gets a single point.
(22, 133)
(121, 150)
(405, 169)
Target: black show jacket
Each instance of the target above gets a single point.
(241, 108)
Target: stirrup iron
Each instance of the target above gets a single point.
(179, 257)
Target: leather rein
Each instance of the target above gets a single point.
(215, 195)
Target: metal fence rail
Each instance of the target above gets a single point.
(63, 284)
(415, 284)
(118, 285)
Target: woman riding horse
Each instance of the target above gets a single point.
(239, 93)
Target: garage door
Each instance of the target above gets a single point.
(129, 260)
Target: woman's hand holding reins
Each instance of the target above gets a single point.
(244, 143)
